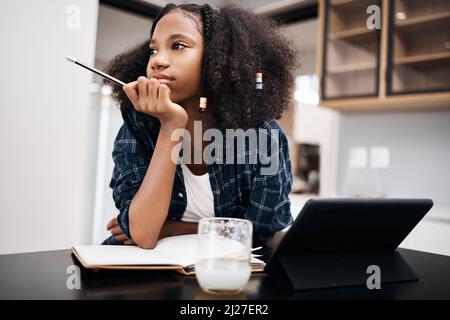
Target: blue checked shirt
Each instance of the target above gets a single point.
(245, 189)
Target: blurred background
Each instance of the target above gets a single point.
(370, 116)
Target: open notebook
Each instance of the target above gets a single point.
(173, 253)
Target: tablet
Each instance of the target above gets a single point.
(350, 225)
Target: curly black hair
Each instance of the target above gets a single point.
(237, 45)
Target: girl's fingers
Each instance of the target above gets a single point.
(113, 222)
(153, 90)
(115, 231)
(129, 242)
(121, 237)
(131, 89)
(164, 95)
(133, 85)
(142, 87)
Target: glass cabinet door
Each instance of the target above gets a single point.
(419, 46)
(351, 50)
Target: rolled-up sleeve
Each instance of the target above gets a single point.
(131, 161)
(270, 207)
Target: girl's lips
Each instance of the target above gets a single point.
(165, 81)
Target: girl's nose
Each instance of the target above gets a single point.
(159, 61)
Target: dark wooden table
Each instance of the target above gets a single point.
(43, 275)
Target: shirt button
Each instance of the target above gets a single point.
(180, 195)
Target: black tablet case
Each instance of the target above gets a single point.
(333, 242)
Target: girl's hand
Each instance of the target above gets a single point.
(113, 226)
(153, 98)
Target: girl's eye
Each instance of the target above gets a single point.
(178, 44)
(175, 46)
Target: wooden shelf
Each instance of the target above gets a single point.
(422, 58)
(358, 74)
(352, 68)
(352, 51)
(423, 101)
(352, 33)
(338, 3)
(422, 20)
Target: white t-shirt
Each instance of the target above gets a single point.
(200, 199)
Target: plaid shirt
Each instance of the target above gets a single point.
(240, 190)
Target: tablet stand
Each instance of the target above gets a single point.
(317, 271)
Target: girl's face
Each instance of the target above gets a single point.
(176, 51)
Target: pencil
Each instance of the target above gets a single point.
(104, 75)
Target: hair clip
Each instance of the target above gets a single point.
(259, 83)
(202, 105)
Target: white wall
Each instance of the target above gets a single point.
(419, 154)
(117, 31)
(46, 165)
(319, 126)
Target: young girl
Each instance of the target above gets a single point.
(223, 69)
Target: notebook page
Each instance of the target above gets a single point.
(184, 249)
(179, 248)
(176, 250)
(122, 255)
